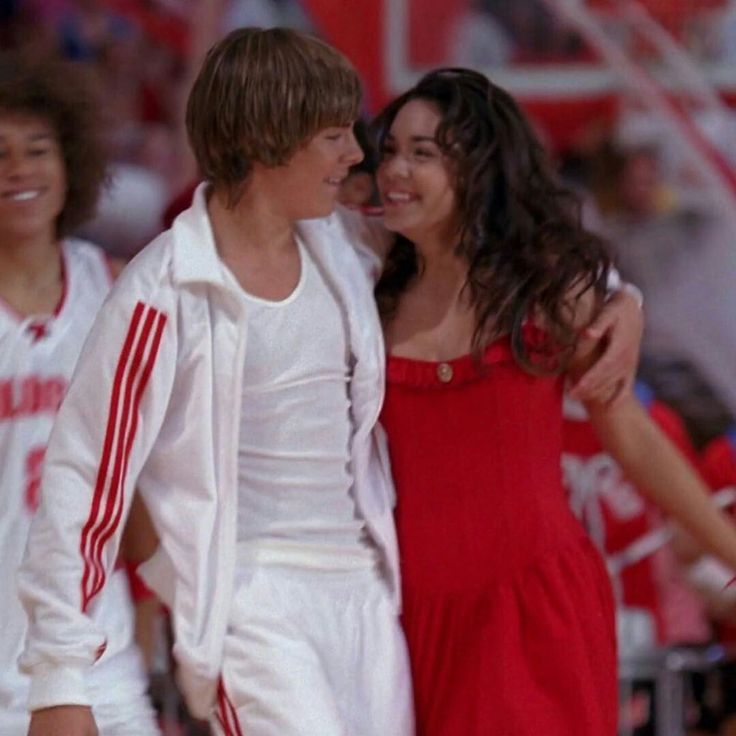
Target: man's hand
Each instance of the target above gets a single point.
(618, 331)
(63, 720)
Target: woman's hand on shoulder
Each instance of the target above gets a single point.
(608, 351)
(365, 225)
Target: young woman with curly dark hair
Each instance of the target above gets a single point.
(52, 165)
(61, 95)
(488, 286)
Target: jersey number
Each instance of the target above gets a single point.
(34, 466)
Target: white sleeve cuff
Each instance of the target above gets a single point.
(57, 686)
(615, 284)
(635, 291)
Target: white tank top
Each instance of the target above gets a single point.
(295, 503)
(37, 358)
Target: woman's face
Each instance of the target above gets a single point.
(32, 178)
(415, 178)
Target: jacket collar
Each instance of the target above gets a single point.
(195, 257)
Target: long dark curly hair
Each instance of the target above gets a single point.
(66, 95)
(521, 232)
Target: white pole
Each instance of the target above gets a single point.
(649, 92)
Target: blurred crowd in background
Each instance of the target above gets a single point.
(529, 32)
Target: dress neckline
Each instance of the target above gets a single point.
(446, 373)
(460, 370)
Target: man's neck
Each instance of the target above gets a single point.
(253, 224)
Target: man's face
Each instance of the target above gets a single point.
(308, 185)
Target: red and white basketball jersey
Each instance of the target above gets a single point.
(37, 358)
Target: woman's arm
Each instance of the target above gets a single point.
(369, 238)
(615, 335)
(649, 459)
(655, 466)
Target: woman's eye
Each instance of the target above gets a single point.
(423, 153)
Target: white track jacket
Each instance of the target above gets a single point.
(154, 403)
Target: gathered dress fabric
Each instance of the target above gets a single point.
(508, 610)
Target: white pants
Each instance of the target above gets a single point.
(313, 653)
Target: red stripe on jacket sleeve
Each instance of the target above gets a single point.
(114, 495)
(106, 533)
(107, 501)
(107, 447)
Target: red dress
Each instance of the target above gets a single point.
(508, 611)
